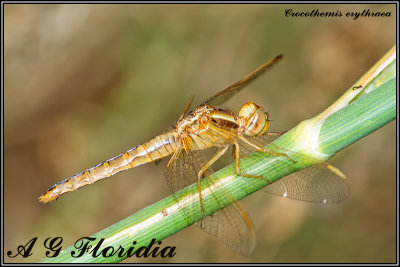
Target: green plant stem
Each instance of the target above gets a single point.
(347, 126)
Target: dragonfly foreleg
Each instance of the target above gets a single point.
(204, 168)
(236, 155)
(274, 133)
(261, 149)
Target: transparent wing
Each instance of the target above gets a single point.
(227, 93)
(231, 225)
(186, 108)
(317, 183)
(314, 184)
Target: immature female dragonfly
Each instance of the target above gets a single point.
(208, 126)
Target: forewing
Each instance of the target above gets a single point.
(228, 92)
(231, 225)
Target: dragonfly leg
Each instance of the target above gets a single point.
(261, 149)
(204, 168)
(274, 133)
(236, 155)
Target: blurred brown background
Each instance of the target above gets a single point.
(84, 83)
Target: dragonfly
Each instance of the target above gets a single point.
(210, 126)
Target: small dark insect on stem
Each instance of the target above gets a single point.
(357, 87)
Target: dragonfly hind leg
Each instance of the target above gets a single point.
(204, 168)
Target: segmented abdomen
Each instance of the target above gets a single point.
(157, 148)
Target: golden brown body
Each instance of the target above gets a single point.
(203, 128)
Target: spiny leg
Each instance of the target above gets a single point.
(236, 155)
(274, 133)
(279, 154)
(261, 149)
(204, 168)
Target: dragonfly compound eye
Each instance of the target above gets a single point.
(255, 120)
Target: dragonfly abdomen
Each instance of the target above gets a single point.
(159, 147)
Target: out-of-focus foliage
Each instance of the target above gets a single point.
(83, 83)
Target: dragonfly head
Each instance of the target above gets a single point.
(254, 121)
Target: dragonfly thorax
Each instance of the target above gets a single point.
(194, 121)
(253, 120)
